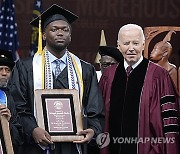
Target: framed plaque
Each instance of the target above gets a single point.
(58, 111)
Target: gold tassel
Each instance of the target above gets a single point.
(40, 51)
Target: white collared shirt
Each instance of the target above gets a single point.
(135, 65)
(52, 59)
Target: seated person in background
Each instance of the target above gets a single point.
(160, 55)
(109, 55)
(6, 66)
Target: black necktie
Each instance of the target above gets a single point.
(129, 69)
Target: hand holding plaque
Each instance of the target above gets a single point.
(88, 133)
(59, 113)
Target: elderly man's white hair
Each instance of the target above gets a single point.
(130, 27)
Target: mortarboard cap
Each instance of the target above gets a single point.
(111, 51)
(53, 13)
(6, 58)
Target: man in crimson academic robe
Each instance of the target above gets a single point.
(141, 104)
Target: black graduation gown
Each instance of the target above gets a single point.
(21, 85)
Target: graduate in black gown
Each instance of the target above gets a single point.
(73, 73)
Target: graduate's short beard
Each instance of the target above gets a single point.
(61, 48)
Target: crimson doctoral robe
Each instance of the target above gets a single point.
(157, 116)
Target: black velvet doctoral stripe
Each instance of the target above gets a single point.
(116, 106)
(167, 99)
(171, 129)
(125, 99)
(131, 105)
(169, 114)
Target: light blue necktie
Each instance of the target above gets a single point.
(57, 68)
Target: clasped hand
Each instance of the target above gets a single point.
(4, 111)
(88, 135)
(41, 136)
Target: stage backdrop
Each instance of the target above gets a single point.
(109, 15)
